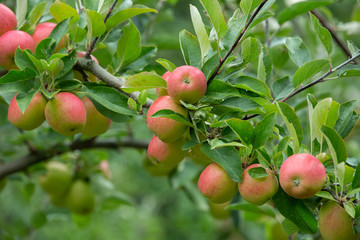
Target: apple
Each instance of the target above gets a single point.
(274, 231)
(66, 114)
(156, 170)
(215, 184)
(187, 83)
(168, 130)
(77, 74)
(165, 154)
(43, 31)
(8, 19)
(302, 175)
(57, 179)
(80, 198)
(33, 116)
(163, 91)
(2, 183)
(334, 222)
(217, 210)
(9, 42)
(198, 156)
(96, 123)
(258, 191)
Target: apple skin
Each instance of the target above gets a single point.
(335, 223)
(33, 116)
(156, 170)
(77, 74)
(80, 198)
(198, 156)
(167, 155)
(168, 130)
(8, 19)
(217, 210)
(43, 31)
(66, 114)
(302, 175)
(215, 184)
(96, 123)
(258, 191)
(187, 83)
(9, 42)
(163, 91)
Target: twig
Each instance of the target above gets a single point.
(222, 61)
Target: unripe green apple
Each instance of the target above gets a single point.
(156, 170)
(335, 223)
(80, 198)
(168, 130)
(302, 175)
(8, 19)
(33, 116)
(215, 184)
(66, 114)
(275, 232)
(2, 183)
(258, 191)
(187, 83)
(78, 75)
(57, 179)
(43, 31)
(198, 156)
(217, 210)
(166, 154)
(9, 42)
(163, 91)
(96, 123)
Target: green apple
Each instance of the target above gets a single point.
(198, 156)
(33, 115)
(156, 170)
(80, 198)
(8, 19)
(217, 210)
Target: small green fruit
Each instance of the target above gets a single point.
(80, 198)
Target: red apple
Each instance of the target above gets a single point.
(187, 83)
(33, 116)
(302, 175)
(163, 91)
(8, 19)
(43, 31)
(215, 184)
(166, 154)
(335, 223)
(9, 42)
(258, 191)
(96, 123)
(77, 74)
(66, 114)
(168, 130)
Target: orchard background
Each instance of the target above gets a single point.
(286, 67)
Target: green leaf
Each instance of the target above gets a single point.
(264, 67)
(218, 143)
(142, 98)
(220, 90)
(227, 157)
(323, 34)
(299, 8)
(23, 100)
(264, 129)
(352, 47)
(146, 56)
(95, 23)
(167, 113)
(289, 227)
(69, 62)
(296, 211)
(211, 64)
(241, 104)
(235, 24)
(21, 10)
(250, 49)
(133, 104)
(356, 181)
(114, 201)
(340, 172)
(59, 31)
(347, 118)
(38, 219)
(17, 81)
(23, 60)
(263, 157)
(336, 144)
(213, 9)
(61, 11)
(282, 87)
(350, 209)
(308, 70)
(243, 130)
(248, 207)
(36, 13)
(280, 148)
(129, 45)
(324, 194)
(200, 30)
(190, 49)
(144, 80)
(68, 84)
(298, 51)
(45, 48)
(350, 70)
(122, 15)
(247, 6)
(251, 84)
(168, 65)
(257, 172)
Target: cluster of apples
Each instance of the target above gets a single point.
(187, 84)
(65, 190)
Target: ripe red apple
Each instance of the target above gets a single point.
(166, 154)
(80, 198)
(163, 91)
(43, 31)
(187, 83)
(8, 19)
(215, 184)
(258, 191)
(9, 42)
(77, 74)
(96, 123)
(66, 114)
(168, 130)
(302, 175)
(33, 116)
(334, 222)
